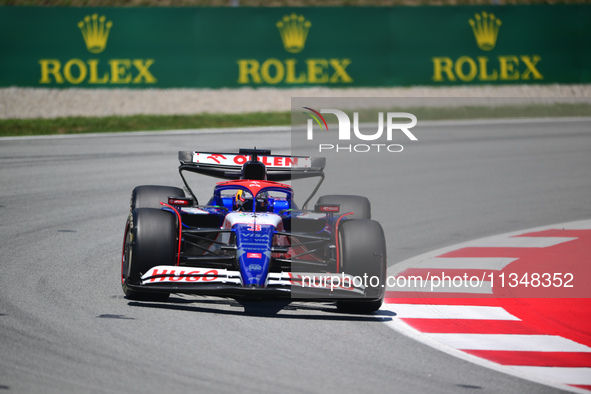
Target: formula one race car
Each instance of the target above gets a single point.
(250, 239)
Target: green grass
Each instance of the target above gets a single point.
(482, 112)
(78, 125)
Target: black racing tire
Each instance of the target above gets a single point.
(149, 196)
(150, 240)
(362, 250)
(359, 205)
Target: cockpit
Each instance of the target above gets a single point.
(253, 196)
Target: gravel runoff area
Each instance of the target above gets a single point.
(55, 103)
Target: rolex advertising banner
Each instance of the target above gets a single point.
(294, 47)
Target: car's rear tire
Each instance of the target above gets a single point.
(149, 196)
(150, 240)
(362, 253)
(359, 205)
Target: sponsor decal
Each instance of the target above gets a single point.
(184, 275)
(293, 30)
(486, 27)
(254, 256)
(215, 157)
(95, 31)
(269, 161)
(179, 201)
(328, 208)
(257, 237)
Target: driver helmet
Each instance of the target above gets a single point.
(262, 202)
(239, 199)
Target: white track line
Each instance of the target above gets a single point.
(510, 342)
(414, 311)
(428, 123)
(117, 134)
(443, 286)
(478, 263)
(566, 375)
(520, 242)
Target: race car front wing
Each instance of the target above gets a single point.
(228, 283)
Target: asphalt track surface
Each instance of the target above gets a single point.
(66, 327)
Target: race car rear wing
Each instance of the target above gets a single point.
(280, 168)
(229, 165)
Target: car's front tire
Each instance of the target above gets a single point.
(150, 240)
(362, 253)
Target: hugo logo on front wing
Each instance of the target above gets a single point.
(395, 122)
